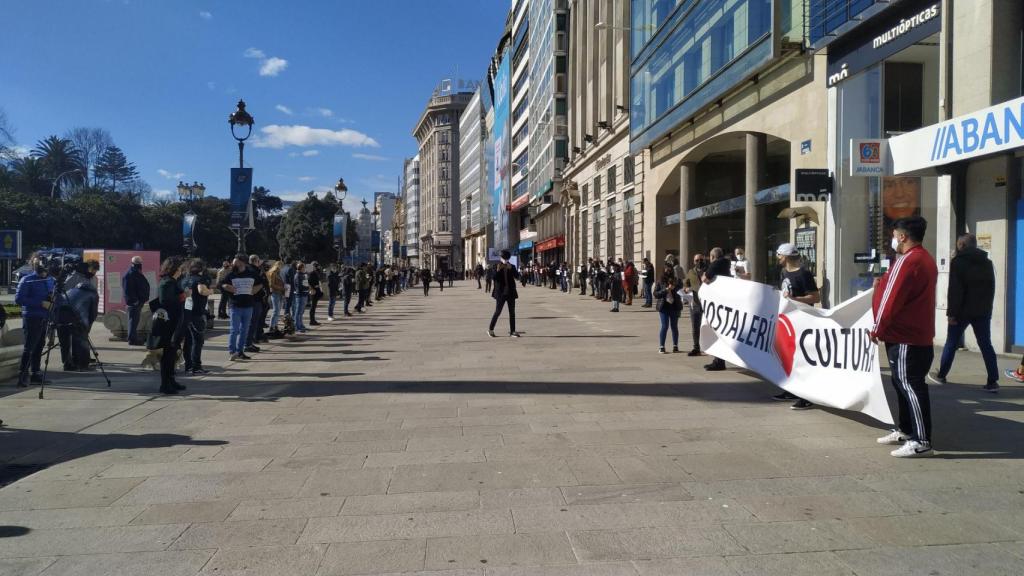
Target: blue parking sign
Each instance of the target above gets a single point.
(10, 244)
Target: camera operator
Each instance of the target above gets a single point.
(76, 314)
(34, 296)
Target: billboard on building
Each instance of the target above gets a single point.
(501, 181)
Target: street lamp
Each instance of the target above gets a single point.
(341, 190)
(53, 187)
(189, 193)
(238, 119)
(376, 223)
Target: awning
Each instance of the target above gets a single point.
(551, 243)
(526, 245)
(519, 202)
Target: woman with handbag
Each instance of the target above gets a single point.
(669, 305)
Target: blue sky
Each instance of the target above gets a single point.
(335, 86)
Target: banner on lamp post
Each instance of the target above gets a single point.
(823, 356)
(341, 229)
(188, 230)
(241, 196)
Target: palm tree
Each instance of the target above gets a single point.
(59, 156)
(29, 175)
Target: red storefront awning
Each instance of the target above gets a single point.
(551, 243)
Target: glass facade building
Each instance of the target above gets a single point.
(412, 207)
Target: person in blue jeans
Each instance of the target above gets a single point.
(647, 279)
(972, 290)
(136, 295)
(34, 296)
(669, 305)
(243, 285)
(300, 295)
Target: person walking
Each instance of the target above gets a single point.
(720, 266)
(136, 295)
(489, 278)
(315, 291)
(505, 293)
(615, 286)
(479, 273)
(425, 277)
(440, 278)
(451, 277)
(904, 309)
(275, 280)
(197, 284)
(333, 289)
(798, 285)
(222, 306)
(691, 287)
(34, 295)
(241, 285)
(971, 292)
(172, 300)
(669, 305)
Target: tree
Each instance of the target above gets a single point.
(306, 230)
(90, 143)
(29, 175)
(60, 159)
(264, 203)
(6, 138)
(115, 167)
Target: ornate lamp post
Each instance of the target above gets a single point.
(189, 193)
(340, 191)
(240, 120)
(376, 228)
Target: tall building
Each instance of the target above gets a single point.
(364, 228)
(437, 133)
(475, 154)
(518, 136)
(411, 207)
(384, 207)
(603, 181)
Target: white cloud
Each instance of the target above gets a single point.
(325, 112)
(211, 85)
(205, 15)
(370, 157)
(254, 53)
(170, 175)
(163, 194)
(306, 178)
(285, 109)
(276, 136)
(310, 153)
(273, 66)
(20, 151)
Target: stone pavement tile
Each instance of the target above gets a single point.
(520, 452)
(303, 437)
(186, 512)
(184, 468)
(481, 476)
(201, 453)
(433, 444)
(592, 470)
(935, 529)
(973, 499)
(499, 550)
(702, 566)
(28, 495)
(626, 516)
(219, 431)
(407, 525)
(392, 459)
(647, 543)
(401, 412)
(610, 569)
(978, 476)
(797, 564)
(330, 423)
(290, 508)
(282, 531)
(809, 536)
(339, 462)
(70, 517)
(537, 441)
(688, 447)
(961, 560)
(342, 448)
(776, 487)
(622, 493)
(374, 557)
(329, 482)
(1009, 519)
(496, 429)
(412, 502)
(631, 437)
(490, 410)
(72, 470)
(91, 540)
(648, 469)
(505, 498)
(170, 563)
(211, 487)
(565, 425)
(24, 566)
(824, 507)
(256, 451)
(418, 434)
(266, 561)
(729, 466)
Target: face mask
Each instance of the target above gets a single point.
(895, 244)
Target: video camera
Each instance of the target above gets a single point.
(58, 265)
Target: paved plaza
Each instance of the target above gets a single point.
(404, 441)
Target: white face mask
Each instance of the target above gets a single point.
(895, 245)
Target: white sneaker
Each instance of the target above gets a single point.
(934, 379)
(513, 334)
(893, 438)
(491, 333)
(913, 449)
(330, 318)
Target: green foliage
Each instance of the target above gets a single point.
(306, 230)
(114, 167)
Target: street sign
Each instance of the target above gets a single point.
(241, 194)
(813, 185)
(10, 244)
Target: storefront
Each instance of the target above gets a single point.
(883, 79)
(525, 251)
(552, 250)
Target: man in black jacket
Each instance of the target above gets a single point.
(136, 295)
(720, 266)
(972, 289)
(505, 293)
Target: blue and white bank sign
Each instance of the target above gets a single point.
(995, 129)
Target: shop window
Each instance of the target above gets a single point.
(904, 97)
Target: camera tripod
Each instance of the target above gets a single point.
(53, 323)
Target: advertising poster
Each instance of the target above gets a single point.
(241, 192)
(188, 230)
(340, 228)
(901, 198)
(502, 156)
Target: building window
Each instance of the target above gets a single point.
(628, 168)
(597, 188)
(611, 179)
(521, 135)
(584, 196)
(562, 149)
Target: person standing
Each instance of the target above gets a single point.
(440, 278)
(241, 284)
(259, 303)
(348, 287)
(740, 265)
(505, 293)
(615, 286)
(425, 277)
(197, 283)
(275, 280)
(669, 305)
(315, 291)
(972, 290)
(300, 292)
(720, 266)
(34, 295)
(489, 278)
(479, 273)
(904, 308)
(136, 295)
(172, 302)
(691, 286)
(222, 306)
(647, 282)
(333, 289)
(362, 280)
(629, 282)
(798, 285)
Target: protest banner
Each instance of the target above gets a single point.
(823, 356)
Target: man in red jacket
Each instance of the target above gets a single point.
(904, 308)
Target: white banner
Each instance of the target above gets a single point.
(823, 356)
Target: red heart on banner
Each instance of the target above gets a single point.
(785, 342)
